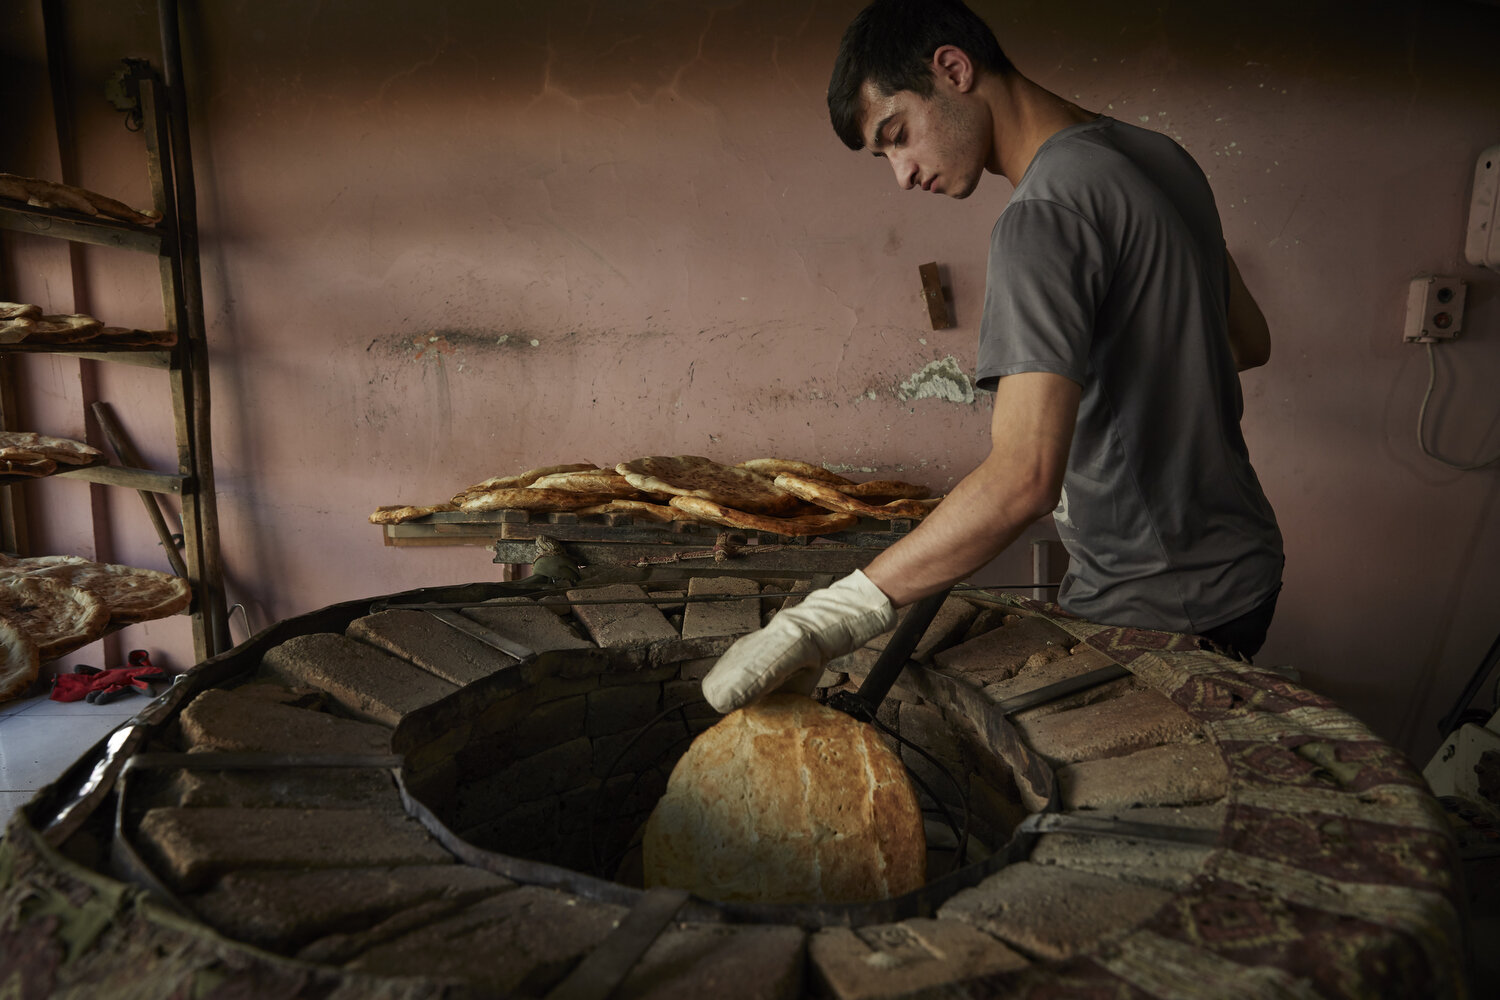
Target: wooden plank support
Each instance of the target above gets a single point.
(932, 294)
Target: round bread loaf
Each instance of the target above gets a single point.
(787, 801)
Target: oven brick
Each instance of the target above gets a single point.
(225, 720)
(888, 960)
(538, 776)
(1082, 660)
(436, 647)
(285, 788)
(632, 752)
(630, 622)
(443, 748)
(1052, 913)
(1002, 652)
(1164, 864)
(541, 933)
(947, 627)
(284, 910)
(193, 846)
(713, 618)
(725, 962)
(1110, 728)
(622, 708)
(366, 682)
(1169, 775)
(548, 724)
(532, 625)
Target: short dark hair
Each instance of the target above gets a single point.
(891, 43)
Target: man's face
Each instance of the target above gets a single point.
(936, 143)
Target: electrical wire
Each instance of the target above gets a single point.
(1422, 422)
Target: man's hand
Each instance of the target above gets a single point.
(828, 623)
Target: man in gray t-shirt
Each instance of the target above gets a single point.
(1114, 325)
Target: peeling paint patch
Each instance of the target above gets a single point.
(939, 380)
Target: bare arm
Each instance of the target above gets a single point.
(1019, 482)
(1249, 336)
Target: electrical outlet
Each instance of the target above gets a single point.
(1434, 309)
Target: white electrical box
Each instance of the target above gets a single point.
(1482, 241)
(1434, 309)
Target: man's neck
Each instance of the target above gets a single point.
(1025, 116)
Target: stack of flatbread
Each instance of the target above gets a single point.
(26, 453)
(52, 605)
(24, 323)
(747, 496)
(40, 193)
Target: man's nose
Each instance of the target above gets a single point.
(906, 172)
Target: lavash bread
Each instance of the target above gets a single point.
(19, 661)
(55, 615)
(398, 513)
(694, 475)
(41, 193)
(798, 525)
(787, 801)
(517, 481)
(831, 498)
(774, 467)
(128, 593)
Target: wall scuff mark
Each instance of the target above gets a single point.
(939, 380)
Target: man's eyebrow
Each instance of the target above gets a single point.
(879, 129)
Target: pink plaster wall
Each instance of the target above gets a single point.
(451, 240)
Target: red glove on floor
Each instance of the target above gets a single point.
(100, 687)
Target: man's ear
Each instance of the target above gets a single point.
(953, 65)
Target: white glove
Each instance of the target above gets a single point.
(830, 622)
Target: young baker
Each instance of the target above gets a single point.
(1114, 326)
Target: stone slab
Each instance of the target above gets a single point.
(724, 962)
(436, 647)
(709, 618)
(890, 960)
(366, 682)
(1001, 652)
(190, 847)
(534, 626)
(1160, 776)
(629, 622)
(284, 910)
(1052, 913)
(541, 934)
(229, 721)
(1133, 721)
(946, 628)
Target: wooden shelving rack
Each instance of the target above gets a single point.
(173, 240)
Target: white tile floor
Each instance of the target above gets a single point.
(40, 737)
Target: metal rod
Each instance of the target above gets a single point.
(892, 661)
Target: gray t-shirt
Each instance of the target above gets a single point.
(1108, 266)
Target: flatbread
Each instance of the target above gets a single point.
(129, 593)
(56, 616)
(50, 194)
(400, 513)
(19, 310)
(800, 525)
(524, 498)
(693, 475)
(606, 481)
(787, 801)
(884, 490)
(774, 467)
(519, 480)
(65, 451)
(19, 661)
(830, 498)
(640, 509)
(64, 328)
(26, 463)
